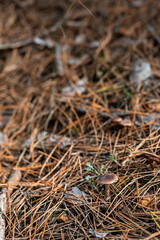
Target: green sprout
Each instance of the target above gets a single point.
(111, 157)
(90, 168)
(127, 94)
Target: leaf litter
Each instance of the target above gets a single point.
(80, 97)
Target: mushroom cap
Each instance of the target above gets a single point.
(108, 178)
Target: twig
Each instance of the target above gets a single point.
(15, 177)
(3, 209)
(59, 64)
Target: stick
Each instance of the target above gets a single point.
(15, 177)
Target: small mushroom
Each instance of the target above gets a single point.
(107, 179)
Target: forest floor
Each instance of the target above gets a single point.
(79, 97)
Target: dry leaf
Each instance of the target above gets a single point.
(14, 178)
(66, 141)
(28, 142)
(126, 123)
(79, 87)
(145, 201)
(3, 138)
(75, 195)
(116, 119)
(63, 217)
(149, 120)
(98, 234)
(154, 106)
(141, 72)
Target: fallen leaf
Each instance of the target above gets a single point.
(28, 142)
(154, 106)
(145, 201)
(116, 119)
(66, 141)
(97, 234)
(63, 217)
(141, 72)
(75, 195)
(79, 87)
(3, 138)
(126, 123)
(14, 178)
(151, 120)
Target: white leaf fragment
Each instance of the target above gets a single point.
(14, 178)
(141, 72)
(75, 195)
(28, 142)
(46, 43)
(97, 234)
(94, 44)
(73, 61)
(48, 140)
(79, 87)
(56, 138)
(58, 59)
(3, 138)
(81, 38)
(144, 119)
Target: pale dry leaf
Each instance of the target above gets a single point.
(126, 123)
(79, 87)
(14, 178)
(94, 44)
(73, 61)
(3, 138)
(41, 135)
(154, 106)
(46, 43)
(98, 234)
(58, 59)
(145, 201)
(141, 72)
(151, 120)
(66, 141)
(63, 217)
(81, 38)
(116, 119)
(75, 195)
